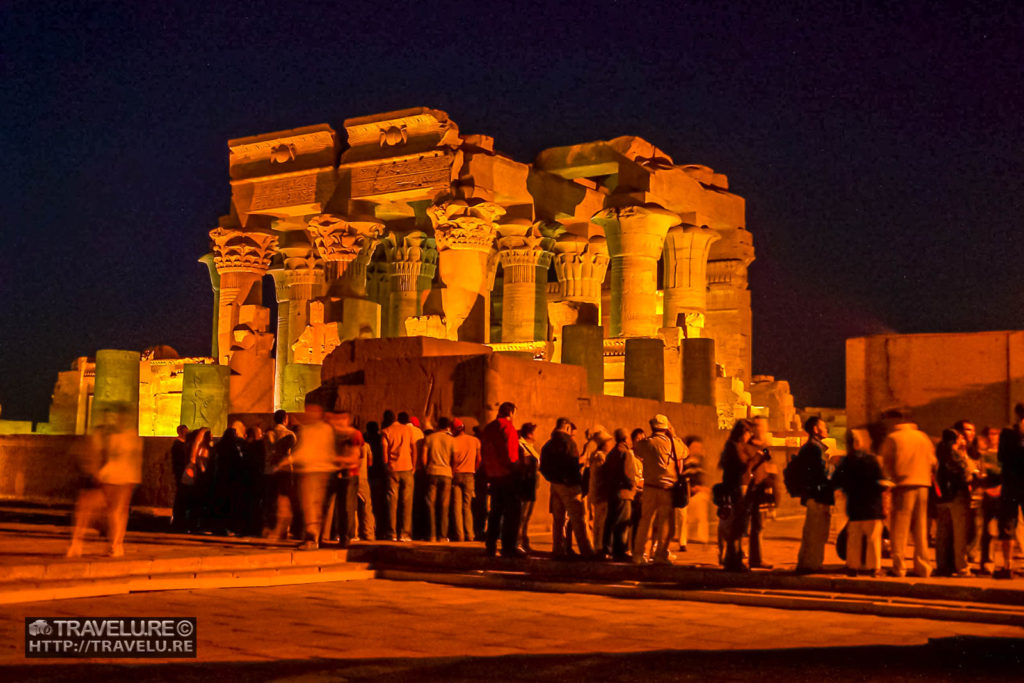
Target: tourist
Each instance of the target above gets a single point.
(741, 491)
(279, 477)
(952, 481)
(179, 459)
(619, 481)
(594, 454)
(1011, 499)
(985, 490)
(636, 508)
(438, 448)
(700, 499)
(465, 463)
(859, 476)
(500, 458)
(254, 462)
(228, 469)
(364, 496)
(195, 480)
(377, 470)
(660, 453)
(908, 459)
(111, 469)
(481, 503)
(815, 495)
(315, 463)
(560, 465)
(399, 449)
(530, 459)
(340, 524)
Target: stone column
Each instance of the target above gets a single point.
(241, 259)
(686, 284)
(636, 235)
(207, 260)
(117, 386)
(411, 259)
(644, 374)
(580, 266)
(729, 320)
(525, 254)
(584, 345)
(699, 371)
(464, 231)
(298, 280)
(346, 244)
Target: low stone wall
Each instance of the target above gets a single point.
(43, 468)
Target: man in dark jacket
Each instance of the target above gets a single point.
(1011, 500)
(859, 475)
(499, 455)
(817, 497)
(560, 465)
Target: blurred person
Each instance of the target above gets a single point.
(254, 462)
(619, 482)
(500, 458)
(195, 480)
(279, 477)
(740, 495)
(859, 476)
(636, 508)
(530, 459)
(179, 459)
(465, 463)
(315, 462)
(438, 450)
(952, 482)
(700, 497)
(400, 453)
(594, 455)
(985, 491)
(340, 523)
(817, 496)
(908, 460)
(560, 465)
(364, 495)
(111, 469)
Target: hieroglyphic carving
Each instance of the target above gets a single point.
(280, 192)
(402, 174)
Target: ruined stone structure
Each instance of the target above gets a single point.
(400, 225)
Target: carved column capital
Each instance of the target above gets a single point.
(410, 257)
(240, 251)
(465, 224)
(338, 238)
(581, 266)
(636, 230)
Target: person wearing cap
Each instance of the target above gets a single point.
(500, 457)
(560, 465)
(661, 454)
(465, 463)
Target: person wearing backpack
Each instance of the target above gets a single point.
(816, 496)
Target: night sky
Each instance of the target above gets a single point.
(879, 150)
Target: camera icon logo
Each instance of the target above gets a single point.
(40, 627)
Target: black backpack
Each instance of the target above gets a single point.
(794, 477)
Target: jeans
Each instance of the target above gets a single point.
(568, 501)
(951, 535)
(616, 527)
(503, 518)
(438, 487)
(817, 523)
(910, 513)
(864, 537)
(657, 510)
(463, 492)
(400, 484)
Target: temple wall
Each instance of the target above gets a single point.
(43, 468)
(941, 378)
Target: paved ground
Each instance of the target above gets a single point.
(422, 631)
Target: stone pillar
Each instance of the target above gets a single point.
(644, 374)
(673, 338)
(699, 371)
(580, 265)
(241, 258)
(636, 236)
(464, 231)
(346, 244)
(204, 397)
(298, 280)
(686, 284)
(525, 254)
(117, 386)
(207, 260)
(584, 345)
(729, 320)
(411, 259)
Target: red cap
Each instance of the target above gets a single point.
(458, 424)
(415, 421)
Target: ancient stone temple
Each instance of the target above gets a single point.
(606, 254)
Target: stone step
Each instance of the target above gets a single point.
(21, 591)
(1012, 615)
(435, 559)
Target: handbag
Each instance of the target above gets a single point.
(681, 489)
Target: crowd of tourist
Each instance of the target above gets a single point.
(617, 496)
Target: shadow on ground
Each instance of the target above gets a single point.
(940, 659)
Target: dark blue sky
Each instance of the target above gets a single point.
(879, 150)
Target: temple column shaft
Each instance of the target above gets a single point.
(524, 293)
(208, 261)
(412, 262)
(686, 261)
